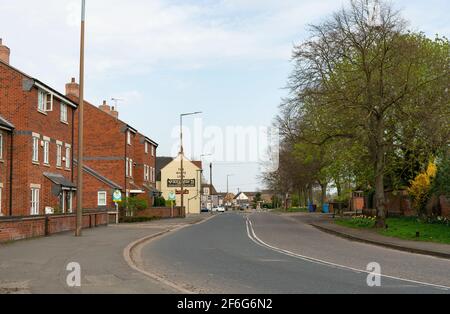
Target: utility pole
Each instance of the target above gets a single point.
(79, 218)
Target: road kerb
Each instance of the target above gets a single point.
(128, 255)
(383, 244)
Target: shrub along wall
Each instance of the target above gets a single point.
(17, 228)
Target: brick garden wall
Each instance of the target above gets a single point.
(18, 228)
(160, 212)
(445, 206)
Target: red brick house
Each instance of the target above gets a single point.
(116, 156)
(6, 129)
(40, 144)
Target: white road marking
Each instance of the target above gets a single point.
(252, 235)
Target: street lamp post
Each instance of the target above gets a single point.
(79, 219)
(182, 153)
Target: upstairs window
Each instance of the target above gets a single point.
(128, 137)
(146, 147)
(68, 156)
(153, 151)
(131, 168)
(46, 152)
(59, 155)
(63, 112)
(35, 153)
(45, 101)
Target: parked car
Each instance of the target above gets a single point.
(205, 210)
(219, 209)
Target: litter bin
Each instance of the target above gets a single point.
(326, 208)
(311, 208)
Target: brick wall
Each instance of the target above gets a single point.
(160, 212)
(445, 206)
(19, 106)
(38, 226)
(5, 183)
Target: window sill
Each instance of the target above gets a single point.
(65, 122)
(59, 167)
(42, 112)
(36, 163)
(68, 169)
(1, 160)
(46, 165)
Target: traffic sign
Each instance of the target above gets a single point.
(117, 196)
(172, 196)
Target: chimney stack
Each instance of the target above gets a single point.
(73, 89)
(5, 53)
(111, 111)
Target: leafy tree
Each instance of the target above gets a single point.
(371, 83)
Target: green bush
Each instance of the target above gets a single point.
(159, 202)
(168, 203)
(441, 183)
(134, 204)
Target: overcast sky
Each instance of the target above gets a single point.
(227, 58)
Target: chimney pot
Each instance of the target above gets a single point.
(73, 80)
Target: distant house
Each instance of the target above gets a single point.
(169, 181)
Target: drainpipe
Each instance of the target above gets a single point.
(126, 164)
(11, 174)
(73, 144)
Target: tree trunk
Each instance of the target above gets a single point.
(379, 178)
(323, 187)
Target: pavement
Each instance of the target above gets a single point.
(227, 255)
(39, 265)
(325, 223)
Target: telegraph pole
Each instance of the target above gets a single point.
(79, 220)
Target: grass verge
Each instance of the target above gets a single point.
(404, 228)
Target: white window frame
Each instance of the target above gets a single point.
(46, 151)
(130, 172)
(59, 154)
(45, 101)
(1, 194)
(127, 164)
(154, 174)
(105, 198)
(146, 147)
(153, 151)
(1, 147)
(70, 207)
(68, 153)
(64, 112)
(35, 148)
(35, 195)
(63, 209)
(128, 137)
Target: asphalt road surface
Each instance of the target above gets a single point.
(264, 253)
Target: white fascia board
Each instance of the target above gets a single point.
(64, 100)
